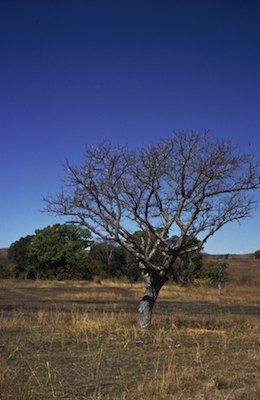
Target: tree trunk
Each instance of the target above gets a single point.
(154, 281)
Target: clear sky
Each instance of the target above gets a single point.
(73, 72)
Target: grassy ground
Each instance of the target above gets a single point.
(81, 341)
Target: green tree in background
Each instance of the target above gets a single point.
(188, 266)
(111, 259)
(257, 254)
(18, 257)
(59, 251)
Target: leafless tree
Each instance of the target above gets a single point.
(188, 185)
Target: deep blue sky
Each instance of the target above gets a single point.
(75, 72)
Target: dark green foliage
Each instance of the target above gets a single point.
(133, 272)
(111, 259)
(59, 251)
(257, 254)
(18, 256)
(4, 272)
(68, 252)
(187, 268)
(214, 271)
(115, 262)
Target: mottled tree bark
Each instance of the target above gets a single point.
(154, 281)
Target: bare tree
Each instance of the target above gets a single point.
(189, 185)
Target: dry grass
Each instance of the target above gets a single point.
(79, 341)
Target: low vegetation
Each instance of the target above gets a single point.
(67, 251)
(80, 341)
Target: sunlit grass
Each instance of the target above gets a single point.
(78, 340)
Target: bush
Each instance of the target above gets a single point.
(214, 272)
(257, 254)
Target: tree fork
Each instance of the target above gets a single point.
(154, 281)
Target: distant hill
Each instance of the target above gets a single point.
(242, 268)
(249, 256)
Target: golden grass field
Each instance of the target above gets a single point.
(79, 340)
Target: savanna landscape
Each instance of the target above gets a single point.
(79, 340)
(130, 177)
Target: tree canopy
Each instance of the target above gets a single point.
(59, 251)
(18, 256)
(189, 185)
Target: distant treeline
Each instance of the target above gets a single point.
(68, 251)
